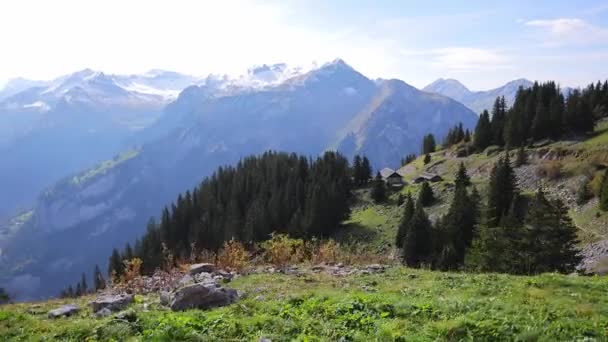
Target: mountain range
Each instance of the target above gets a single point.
(477, 101)
(164, 145)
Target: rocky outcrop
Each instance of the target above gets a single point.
(202, 296)
(595, 258)
(64, 311)
(111, 302)
(204, 267)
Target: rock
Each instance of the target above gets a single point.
(340, 265)
(200, 296)
(127, 315)
(317, 268)
(412, 276)
(226, 275)
(375, 268)
(113, 303)
(204, 267)
(105, 312)
(264, 339)
(65, 310)
(186, 280)
(165, 298)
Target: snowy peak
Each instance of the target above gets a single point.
(448, 87)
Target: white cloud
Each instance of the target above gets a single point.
(568, 31)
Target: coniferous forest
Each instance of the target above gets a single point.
(275, 192)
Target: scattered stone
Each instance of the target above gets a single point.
(165, 298)
(65, 310)
(105, 312)
(375, 268)
(204, 267)
(127, 315)
(200, 296)
(113, 303)
(340, 265)
(317, 268)
(35, 310)
(412, 276)
(264, 339)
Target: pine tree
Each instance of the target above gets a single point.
(499, 113)
(98, 280)
(522, 157)
(427, 159)
(78, 291)
(483, 132)
(83, 283)
(366, 170)
(357, 170)
(408, 213)
(379, 189)
(70, 291)
(604, 192)
(115, 264)
(417, 244)
(426, 196)
(462, 178)
(502, 190)
(428, 144)
(4, 297)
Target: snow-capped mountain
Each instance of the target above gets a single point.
(477, 100)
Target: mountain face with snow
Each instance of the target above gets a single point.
(76, 222)
(477, 101)
(50, 129)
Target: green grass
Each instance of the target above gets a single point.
(601, 135)
(400, 305)
(104, 166)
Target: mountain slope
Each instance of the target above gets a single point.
(476, 100)
(76, 222)
(396, 120)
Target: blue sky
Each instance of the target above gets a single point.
(481, 43)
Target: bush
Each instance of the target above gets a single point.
(132, 270)
(595, 185)
(551, 170)
(326, 252)
(282, 251)
(233, 256)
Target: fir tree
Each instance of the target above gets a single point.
(417, 242)
(70, 291)
(522, 157)
(408, 213)
(83, 283)
(4, 297)
(502, 190)
(115, 264)
(98, 280)
(357, 170)
(483, 132)
(379, 189)
(427, 159)
(426, 196)
(604, 192)
(366, 170)
(499, 112)
(428, 144)
(462, 178)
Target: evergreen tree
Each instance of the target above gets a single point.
(427, 159)
(379, 189)
(115, 265)
(483, 132)
(522, 157)
(408, 213)
(604, 192)
(83, 283)
(462, 178)
(367, 170)
(428, 144)
(78, 291)
(499, 112)
(400, 200)
(357, 170)
(70, 292)
(98, 280)
(4, 297)
(408, 159)
(426, 196)
(417, 243)
(128, 253)
(502, 190)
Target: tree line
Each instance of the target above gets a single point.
(541, 112)
(274, 192)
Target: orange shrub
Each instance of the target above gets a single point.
(233, 256)
(282, 251)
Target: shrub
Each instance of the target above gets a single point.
(282, 250)
(595, 185)
(326, 252)
(132, 269)
(233, 256)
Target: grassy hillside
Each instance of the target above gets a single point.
(399, 305)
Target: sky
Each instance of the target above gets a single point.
(484, 44)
